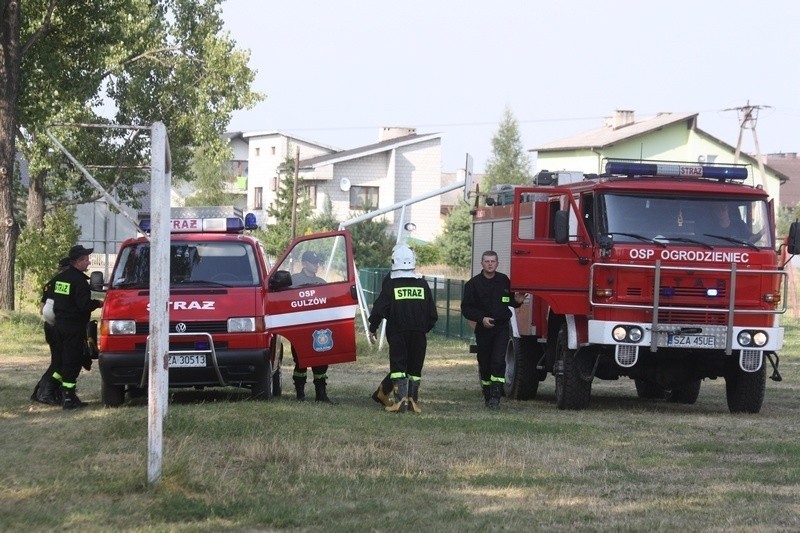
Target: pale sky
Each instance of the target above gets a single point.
(335, 71)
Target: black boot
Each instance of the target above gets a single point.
(48, 392)
(400, 396)
(413, 396)
(300, 388)
(320, 386)
(496, 390)
(70, 400)
(383, 394)
(487, 393)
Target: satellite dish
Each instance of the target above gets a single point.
(344, 184)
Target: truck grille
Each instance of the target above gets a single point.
(691, 317)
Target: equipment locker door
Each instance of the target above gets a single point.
(317, 316)
(559, 273)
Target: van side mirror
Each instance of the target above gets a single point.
(793, 242)
(96, 281)
(280, 280)
(561, 229)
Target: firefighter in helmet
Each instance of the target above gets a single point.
(407, 305)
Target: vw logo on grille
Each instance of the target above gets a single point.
(180, 327)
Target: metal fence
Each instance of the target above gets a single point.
(446, 293)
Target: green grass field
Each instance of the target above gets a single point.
(234, 464)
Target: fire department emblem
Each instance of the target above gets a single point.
(323, 340)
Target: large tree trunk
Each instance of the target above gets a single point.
(9, 97)
(35, 211)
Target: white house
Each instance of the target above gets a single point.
(401, 165)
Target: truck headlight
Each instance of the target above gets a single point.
(121, 327)
(759, 338)
(241, 325)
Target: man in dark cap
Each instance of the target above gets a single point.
(73, 306)
(48, 389)
(308, 276)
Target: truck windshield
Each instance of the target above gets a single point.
(703, 221)
(231, 264)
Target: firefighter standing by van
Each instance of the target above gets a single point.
(73, 306)
(407, 304)
(486, 300)
(308, 276)
(48, 389)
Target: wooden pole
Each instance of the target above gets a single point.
(294, 192)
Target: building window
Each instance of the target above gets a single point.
(361, 197)
(258, 151)
(258, 198)
(273, 150)
(310, 192)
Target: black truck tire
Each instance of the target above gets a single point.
(745, 390)
(687, 394)
(262, 388)
(522, 380)
(572, 391)
(647, 390)
(111, 395)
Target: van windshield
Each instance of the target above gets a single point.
(706, 221)
(230, 264)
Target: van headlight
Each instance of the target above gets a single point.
(241, 325)
(121, 327)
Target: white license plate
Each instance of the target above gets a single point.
(185, 360)
(692, 341)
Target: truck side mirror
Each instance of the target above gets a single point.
(561, 229)
(793, 242)
(96, 281)
(280, 280)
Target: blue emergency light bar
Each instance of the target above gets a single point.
(205, 225)
(689, 170)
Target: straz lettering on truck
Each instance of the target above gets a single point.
(309, 300)
(690, 255)
(189, 306)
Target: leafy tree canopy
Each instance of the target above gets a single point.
(509, 162)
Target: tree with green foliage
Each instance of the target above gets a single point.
(509, 162)
(456, 238)
(208, 167)
(127, 62)
(325, 220)
(372, 245)
(277, 236)
(427, 253)
(38, 249)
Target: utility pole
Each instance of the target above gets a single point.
(748, 119)
(294, 192)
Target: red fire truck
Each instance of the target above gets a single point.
(227, 307)
(663, 272)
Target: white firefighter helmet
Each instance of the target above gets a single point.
(403, 261)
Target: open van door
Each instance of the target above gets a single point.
(316, 314)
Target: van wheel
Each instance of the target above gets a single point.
(686, 394)
(262, 388)
(745, 390)
(572, 391)
(522, 380)
(111, 395)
